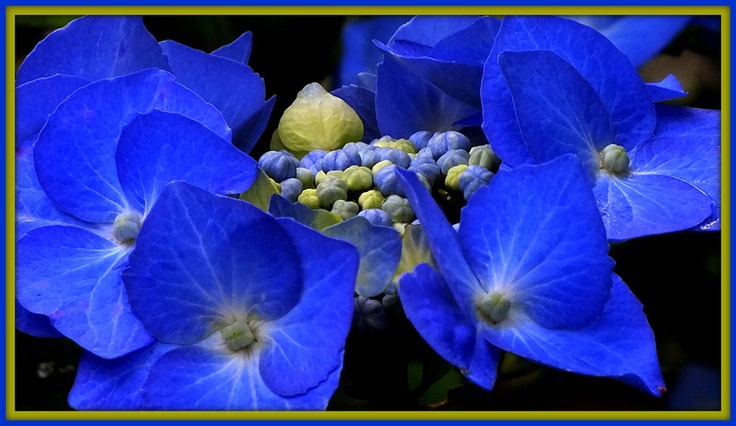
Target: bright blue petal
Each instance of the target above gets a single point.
(75, 151)
(432, 310)
(73, 276)
(363, 101)
(316, 219)
(203, 260)
(648, 204)
(547, 252)
(667, 89)
(443, 241)
(34, 324)
(701, 126)
(247, 135)
(429, 30)
(406, 104)
(608, 71)
(233, 88)
(199, 378)
(115, 384)
(379, 248)
(239, 50)
(539, 81)
(93, 48)
(159, 147)
(619, 345)
(306, 345)
(32, 109)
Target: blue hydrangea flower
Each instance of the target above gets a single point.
(101, 163)
(653, 169)
(527, 273)
(249, 312)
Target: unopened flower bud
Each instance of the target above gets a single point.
(473, 178)
(615, 160)
(387, 181)
(358, 178)
(379, 165)
(368, 157)
(339, 159)
(238, 335)
(400, 144)
(313, 160)
(451, 159)
(398, 208)
(278, 165)
(452, 180)
(372, 199)
(306, 177)
(493, 308)
(483, 155)
(291, 188)
(442, 142)
(345, 209)
(126, 227)
(330, 190)
(376, 216)
(427, 167)
(420, 139)
(395, 156)
(309, 198)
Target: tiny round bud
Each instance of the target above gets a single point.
(313, 160)
(278, 165)
(306, 177)
(473, 178)
(368, 157)
(483, 155)
(379, 165)
(345, 209)
(400, 144)
(451, 159)
(339, 159)
(126, 227)
(493, 308)
(309, 198)
(615, 160)
(372, 199)
(319, 177)
(427, 167)
(396, 156)
(291, 188)
(238, 335)
(358, 178)
(398, 208)
(376, 216)
(330, 190)
(442, 142)
(452, 180)
(420, 139)
(387, 181)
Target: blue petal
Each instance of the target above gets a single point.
(619, 345)
(647, 204)
(159, 147)
(73, 276)
(199, 378)
(701, 126)
(379, 248)
(667, 89)
(93, 48)
(307, 344)
(547, 252)
(239, 50)
(202, 260)
(247, 135)
(363, 101)
(75, 151)
(316, 219)
(432, 310)
(103, 384)
(443, 241)
(608, 71)
(233, 88)
(32, 109)
(34, 324)
(406, 104)
(539, 80)
(429, 30)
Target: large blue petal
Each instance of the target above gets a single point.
(406, 104)
(363, 101)
(75, 151)
(557, 110)
(429, 30)
(35, 101)
(430, 307)
(239, 50)
(160, 147)
(34, 324)
(667, 89)
(647, 204)
(443, 241)
(232, 87)
(306, 345)
(619, 345)
(247, 135)
(379, 248)
(608, 71)
(114, 384)
(201, 378)
(546, 252)
(73, 276)
(93, 48)
(202, 261)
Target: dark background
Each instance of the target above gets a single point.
(676, 276)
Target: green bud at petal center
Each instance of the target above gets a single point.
(493, 308)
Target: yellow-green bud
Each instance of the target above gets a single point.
(493, 308)
(126, 227)
(238, 335)
(309, 198)
(358, 178)
(381, 164)
(403, 144)
(306, 177)
(615, 160)
(372, 199)
(452, 181)
(318, 120)
(345, 209)
(330, 190)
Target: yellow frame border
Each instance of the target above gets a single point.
(723, 11)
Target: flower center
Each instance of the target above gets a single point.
(238, 335)
(615, 160)
(126, 227)
(493, 308)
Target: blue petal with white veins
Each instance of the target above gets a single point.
(547, 253)
(73, 276)
(93, 48)
(159, 147)
(620, 344)
(239, 50)
(435, 314)
(202, 261)
(306, 345)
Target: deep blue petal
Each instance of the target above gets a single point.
(159, 147)
(619, 345)
(702, 126)
(608, 71)
(34, 324)
(114, 384)
(429, 30)
(306, 345)
(431, 308)
(246, 136)
(203, 260)
(93, 48)
(647, 204)
(557, 110)
(406, 104)
(72, 276)
(547, 252)
(667, 89)
(443, 241)
(75, 151)
(379, 248)
(363, 101)
(239, 50)
(35, 101)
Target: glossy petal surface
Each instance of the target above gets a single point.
(547, 252)
(202, 260)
